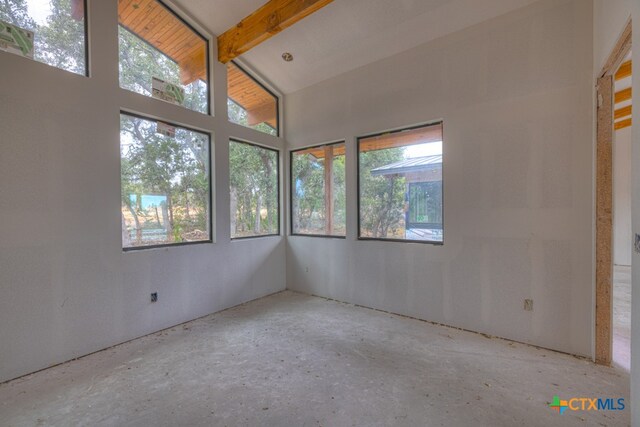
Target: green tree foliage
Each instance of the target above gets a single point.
(153, 164)
(16, 12)
(254, 190)
(309, 210)
(381, 197)
(140, 62)
(60, 41)
(172, 167)
(238, 115)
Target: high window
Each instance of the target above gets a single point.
(400, 185)
(250, 103)
(162, 56)
(49, 31)
(165, 175)
(318, 190)
(254, 190)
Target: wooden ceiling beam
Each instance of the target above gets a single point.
(270, 19)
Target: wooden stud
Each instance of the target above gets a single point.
(619, 52)
(623, 95)
(604, 221)
(623, 124)
(328, 188)
(624, 71)
(622, 112)
(264, 23)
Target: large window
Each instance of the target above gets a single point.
(165, 172)
(400, 185)
(162, 56)
(254, 188)
(49, 31)
(250, 104)
(318, 190)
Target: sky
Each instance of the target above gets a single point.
(421, 150)
(39, 10)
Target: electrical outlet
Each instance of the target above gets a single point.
(528, 305)
(306, 269)
(154, 297)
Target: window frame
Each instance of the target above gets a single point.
(207, 41)
(210, 181)
(278, 184)
(291, 185)
(398, 130)
(263, 86)
(87, 50)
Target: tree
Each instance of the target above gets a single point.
(61, 41)
(253, 185)
(16, 12)
(381, 197)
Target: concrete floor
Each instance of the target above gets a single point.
(622, 317)
(295, 360)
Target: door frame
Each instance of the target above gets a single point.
(604, 199)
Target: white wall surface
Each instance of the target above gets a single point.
(610, 17)
(66, 287)
(622, 241)
(515, 94)
(635, 272)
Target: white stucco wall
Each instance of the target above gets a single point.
(66, 287)
(515, 94)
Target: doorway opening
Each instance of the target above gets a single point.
(613, 206)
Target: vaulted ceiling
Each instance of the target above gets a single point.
(346, 34)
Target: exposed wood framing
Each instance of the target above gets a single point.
(604, 221)
(623, 95)
(264, 23)
(328, 188)
(604, 196)
(623, 112)
(623, 124)
(624, 71)
(619, 53)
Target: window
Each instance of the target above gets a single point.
(249, 103)
(400, 185)
(162, 56)
(318, 190)
(49, 31)
(165, 172)
(254, 188)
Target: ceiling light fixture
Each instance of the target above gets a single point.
(287, 57)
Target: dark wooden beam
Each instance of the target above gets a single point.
(270, 19)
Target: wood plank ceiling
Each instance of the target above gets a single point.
(422, 135)
(622, 114)
(154, 23)
(159, 27)
(260, 105)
